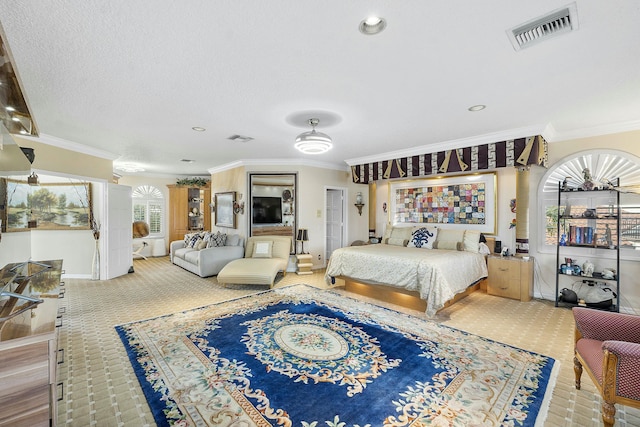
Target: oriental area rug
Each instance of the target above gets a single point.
(305, 357)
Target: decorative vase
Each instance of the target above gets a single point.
(95, 264)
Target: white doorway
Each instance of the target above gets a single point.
(335, 220)
(119, 239)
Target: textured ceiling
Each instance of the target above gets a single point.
(131, 78)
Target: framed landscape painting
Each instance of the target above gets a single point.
(463, 201)
(47, 206)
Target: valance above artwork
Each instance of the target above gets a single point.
(526, 151)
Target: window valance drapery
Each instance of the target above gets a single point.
(531, 150)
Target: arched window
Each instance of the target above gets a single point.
(148, 206)
(605, 166)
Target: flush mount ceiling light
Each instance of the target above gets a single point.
(130, 168)
(372, 25)
(313, 142)
(187, 160)
(198, 129)
(478, 107)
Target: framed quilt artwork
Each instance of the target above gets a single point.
(463, 201)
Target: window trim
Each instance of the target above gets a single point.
(144, 195)
(549, 198)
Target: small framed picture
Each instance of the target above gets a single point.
(225, 216)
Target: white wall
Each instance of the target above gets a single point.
(15, 247)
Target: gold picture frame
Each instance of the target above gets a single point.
(48, 206)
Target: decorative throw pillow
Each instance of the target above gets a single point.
(448, 239)
(193, 240)
(262, 249)
(232, 240)
(217, 240)
(387, 233)
(471, 241)
(397, 242)
(200, 245)
(206, 236)
(423, 237)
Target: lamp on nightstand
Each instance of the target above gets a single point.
(303, 236)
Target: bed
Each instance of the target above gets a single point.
(435, 275)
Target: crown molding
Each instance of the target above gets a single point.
(72, 146)
(277, 162)
(552, 135)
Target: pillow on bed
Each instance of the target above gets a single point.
(448, 239)
(262, 250)
(423, 237)
(471, 241)
(402, 233)
(396, 241)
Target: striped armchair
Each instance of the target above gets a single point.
(607, 345)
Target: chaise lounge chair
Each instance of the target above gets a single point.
(264, 258)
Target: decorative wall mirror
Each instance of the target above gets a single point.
(273, 204)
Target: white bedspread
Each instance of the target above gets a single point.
(436, 274)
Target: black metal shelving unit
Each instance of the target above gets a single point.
(596, 218)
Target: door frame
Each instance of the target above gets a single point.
(345, 219)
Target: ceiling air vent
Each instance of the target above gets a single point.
(558, 22)
(240, 138)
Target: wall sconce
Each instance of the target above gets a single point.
(359, 204)
(303, 236)
(238, 206)
(33, 179)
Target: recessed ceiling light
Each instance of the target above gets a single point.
(198, 129)
(188, 161)
(9, 108)
(478, 107)
(372, 25)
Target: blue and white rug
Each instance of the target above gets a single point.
(305, 357)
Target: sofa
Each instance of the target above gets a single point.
(264, 258)
(206, 253)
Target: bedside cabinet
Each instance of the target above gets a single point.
(304, 264)
(510, 277)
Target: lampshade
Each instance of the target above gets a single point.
(313, 142)
(303, 235)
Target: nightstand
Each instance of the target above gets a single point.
(510, 277)
(304, 264)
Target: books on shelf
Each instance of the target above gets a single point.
(581, 235)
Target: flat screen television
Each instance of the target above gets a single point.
(267, 210)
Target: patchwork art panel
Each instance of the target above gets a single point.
(443, 204)
(462, 201)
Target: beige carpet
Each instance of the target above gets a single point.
(100, 388)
